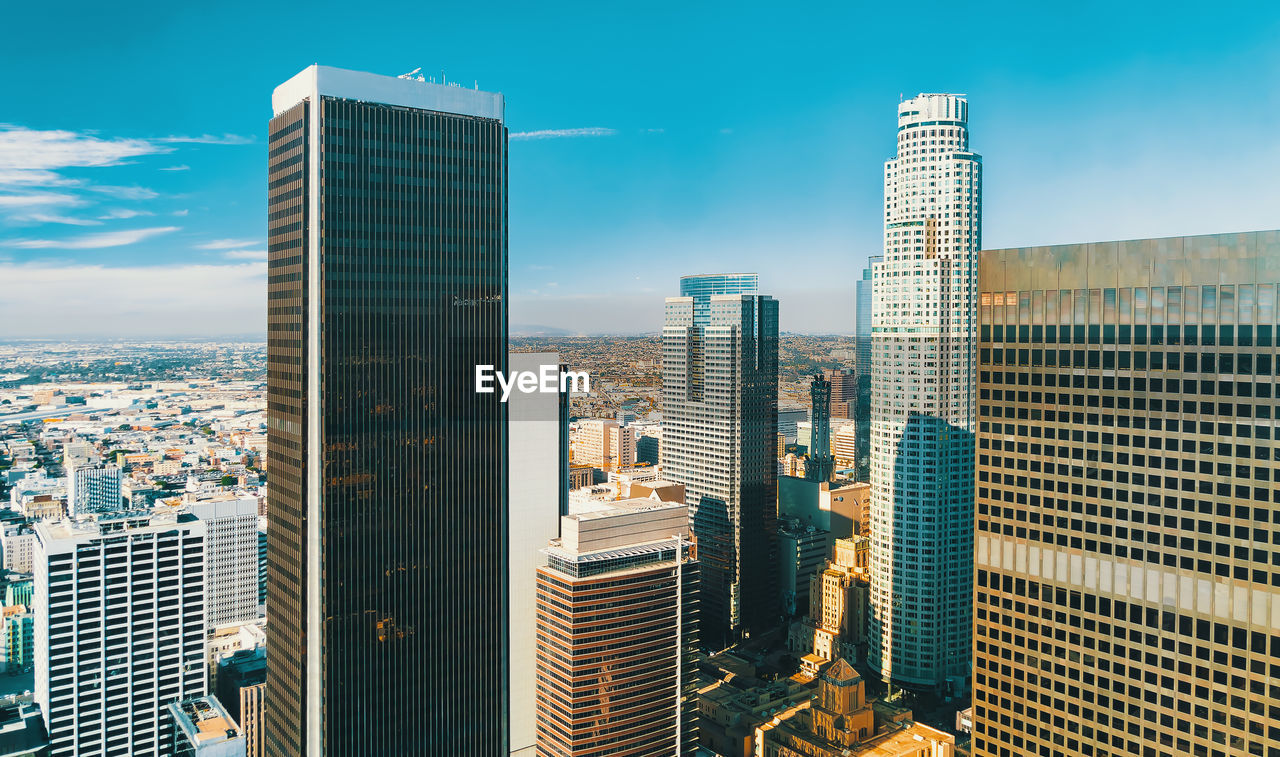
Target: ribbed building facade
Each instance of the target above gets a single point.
(1128, 514)
(719, 439)
(923, 400)
(231, 559)
(119, 632)
(387, 541)
(617, 635)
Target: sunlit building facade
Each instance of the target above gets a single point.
(719, 439)
(1127, 594)
(923, 401)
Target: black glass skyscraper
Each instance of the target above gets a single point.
(387, 543)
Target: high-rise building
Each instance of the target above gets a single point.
(844, 446)
(387, 538)
(719, 426)
(618, 634)
(820, 464)
(604, 443)
(251, 719)
(922, 400)
(236, 671)
(802, 550)
(538, 468)
(861, 459)
(93, 487)
(262, 561)
(119, 606)
(231, 558)
(1128, 518)
(789, 420)
(843, 397)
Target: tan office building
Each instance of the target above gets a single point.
(1127, 551)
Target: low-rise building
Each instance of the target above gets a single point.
(22, 731)
(202, 727)
(842, 722)
(729, 713)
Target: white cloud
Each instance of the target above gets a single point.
(38, 199)
(591, 131)
(209, 139)
(55, 218)
(226, 244)
(94, 241)
(33, 158)
(34, 150)
(138, 301)
(127, 193)
(182, 212)
(15, 177)
(245, 254)
(119, 213)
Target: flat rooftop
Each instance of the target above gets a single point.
(326, 81)
(204, 721)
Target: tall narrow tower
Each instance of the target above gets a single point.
(862, 374)
(923, 399)
(820, 464)
(387, 544)
(719, 437)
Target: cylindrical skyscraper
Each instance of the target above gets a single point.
(922, 399)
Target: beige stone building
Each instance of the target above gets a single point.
(841, 722)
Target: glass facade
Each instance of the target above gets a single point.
(700, 288)
(1127, 589)
(719, 439)
(404, 473)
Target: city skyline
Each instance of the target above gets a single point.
(676, 159)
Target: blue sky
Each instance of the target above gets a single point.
(719, 137)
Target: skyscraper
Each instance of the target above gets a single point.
(119, 633)
(538, 468)
(922, 400)
(618, 634)
(862, 374)
(843, 392)
(387, 540)
(719, 425)
(1128, 519)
